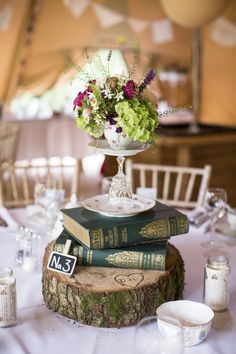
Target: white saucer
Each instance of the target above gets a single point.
(103, 147)
(100, 204)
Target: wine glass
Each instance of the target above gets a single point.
(215, 204)
(149, 339)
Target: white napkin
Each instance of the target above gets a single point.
(6, 216)
(198, 218)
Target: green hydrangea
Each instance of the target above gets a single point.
(90, 126)
(138, 119)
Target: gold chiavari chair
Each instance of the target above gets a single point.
(17, 179)
(9, 138)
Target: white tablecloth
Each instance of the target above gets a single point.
(60, 137)
(39, 330)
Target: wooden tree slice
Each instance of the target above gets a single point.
(112, 297)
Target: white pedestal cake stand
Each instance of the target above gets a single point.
(119, 202)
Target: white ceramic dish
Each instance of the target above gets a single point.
(100, 204)
(103, 147)
(194, 317)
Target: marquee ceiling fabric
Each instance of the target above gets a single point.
(39, 37)
(57, 32)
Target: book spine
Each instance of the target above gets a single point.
(138, 232)
(121, 258)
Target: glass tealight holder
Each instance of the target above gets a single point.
(19, 254)
(31, 248)
(7, 297)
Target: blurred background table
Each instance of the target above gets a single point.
(59, 135)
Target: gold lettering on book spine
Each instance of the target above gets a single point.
(183, 224)
(136, 260)
(125, 259)
(158, 261)
(156, 229)
(97, 239)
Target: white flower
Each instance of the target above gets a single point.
(108, 93)
(93, 101)
(119, 96)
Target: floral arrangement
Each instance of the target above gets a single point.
(120, 101)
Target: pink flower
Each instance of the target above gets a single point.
(89, 88)
(78, 100)
(129, 89)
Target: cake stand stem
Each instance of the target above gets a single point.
(120, 190)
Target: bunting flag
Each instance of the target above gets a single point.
(77, 7)
(223, 32)
(106, 17)
(5, 18)
(137, 25)
(162, 31)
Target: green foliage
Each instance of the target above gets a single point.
(137, 119)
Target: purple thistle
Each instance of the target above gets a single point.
(147, 80)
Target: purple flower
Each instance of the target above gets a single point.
(118, 130)
(147, 80)
(129, 89)
(78, 100)
(111, 120)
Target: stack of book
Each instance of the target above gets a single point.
(138, 242)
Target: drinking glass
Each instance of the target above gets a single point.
(148, 338)
(44, 192)
(48, 198)
(215, 204)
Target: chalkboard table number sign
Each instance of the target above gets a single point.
(62, 262)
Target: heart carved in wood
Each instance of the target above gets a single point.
(131, 280)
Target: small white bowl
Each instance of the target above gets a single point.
(194, 317)
(232, 220)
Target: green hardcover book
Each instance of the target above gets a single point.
(97, 231)
(149, 256)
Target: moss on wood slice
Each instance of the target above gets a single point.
(112, 297)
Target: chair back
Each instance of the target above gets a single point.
(9, 138)
(17, 179)
(176, 186)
